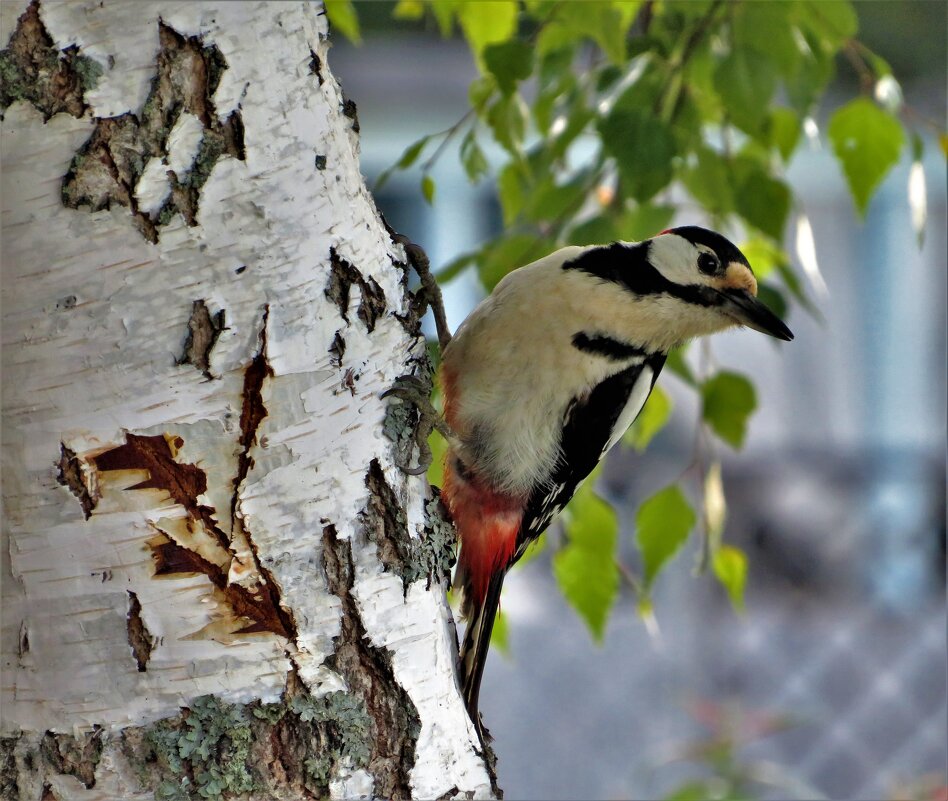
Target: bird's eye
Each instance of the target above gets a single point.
(708, 263)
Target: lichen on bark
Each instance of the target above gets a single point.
(33, 70)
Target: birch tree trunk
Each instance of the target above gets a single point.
(215, 580)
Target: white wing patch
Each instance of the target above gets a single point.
(637, 398)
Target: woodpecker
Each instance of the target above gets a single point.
(546, 375)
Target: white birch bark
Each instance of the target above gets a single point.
(133, 478)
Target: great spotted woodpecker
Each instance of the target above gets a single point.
(546, 375)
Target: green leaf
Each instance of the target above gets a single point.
(762, 200)
(577, 120)
(473, 158)
(643, 148)
(834, 22)
(813, 72)
(662, 524)
(652, 419)
(730, 567)
(443, 11)
(549, 201)
(792, 282)
(428, 188)
(507, 118)
(763, 256)
(408, 9)
(454, 268)
(765, 28)
(643, 221)
(508, 253)
(439, 448)
(594, 231)
(728, 400)
(500, 635)
(602, 22)
(676, 363)
(709, 181)
(480, 91)
(343, 17)
(411, 153)
(509, 62)
(511, 191)
(487, 22)
(694, 791)
(773, 299)
(867, 141)
(785, 130)
(585, 568)
(745, 82)
(556, 36)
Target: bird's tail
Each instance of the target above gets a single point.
(480, 623)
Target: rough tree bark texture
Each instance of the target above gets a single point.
(215, 581)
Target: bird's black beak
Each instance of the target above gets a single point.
(747, 310)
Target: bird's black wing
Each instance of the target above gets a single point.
(587, 426)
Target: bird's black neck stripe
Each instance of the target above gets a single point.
(629, 266)
(602, 345)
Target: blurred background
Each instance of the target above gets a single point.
(832, 684)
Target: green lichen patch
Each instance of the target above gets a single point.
(107, 168)
(435, 552)
(399, 425)
(216, 750)
(337, 718)
(33, 70)
(202, 753)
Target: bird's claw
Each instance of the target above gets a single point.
(416, 391)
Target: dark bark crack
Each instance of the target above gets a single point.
(139, 637)
(369, 675)
(108, 167)
(71, 476)
(203, 332)
(74, 756)
(342, 277)
(252, 413)
(316, 66)
(385, 524)
(337, 350)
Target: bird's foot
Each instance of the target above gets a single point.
(416, 391)
(430, 292)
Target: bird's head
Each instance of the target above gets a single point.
(705, 270)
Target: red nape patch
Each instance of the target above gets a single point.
(487, 524)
